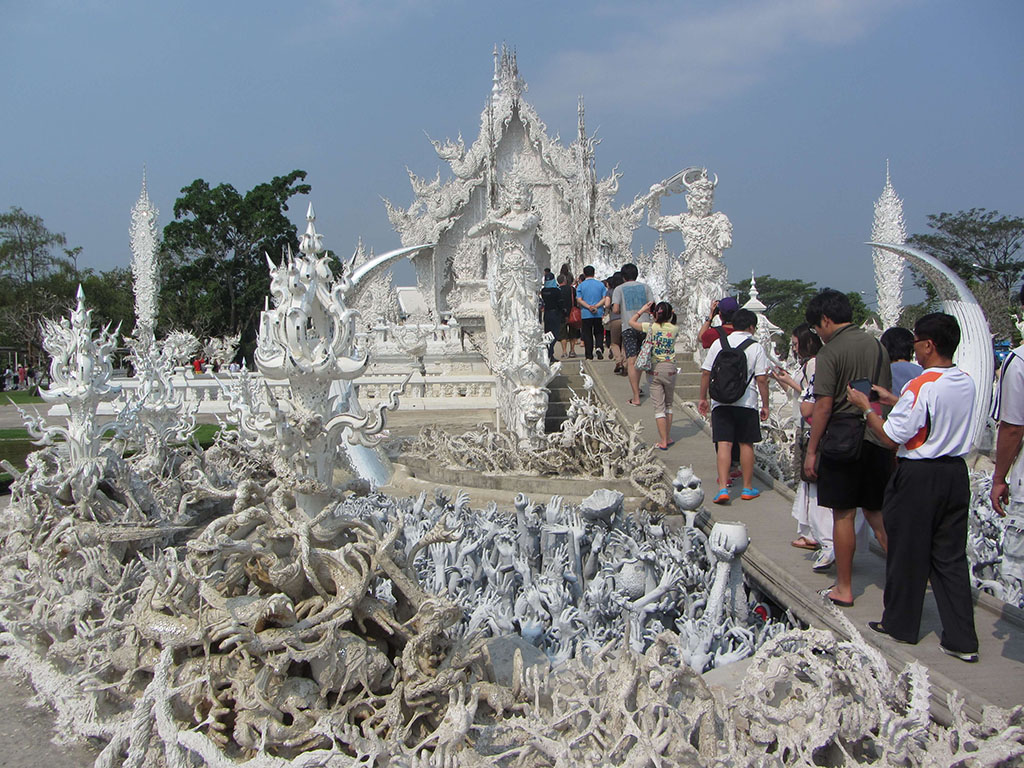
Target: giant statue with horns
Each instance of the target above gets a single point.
(700, 277)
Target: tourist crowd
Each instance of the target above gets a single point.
(885, 424)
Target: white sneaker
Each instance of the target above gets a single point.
(825, 559)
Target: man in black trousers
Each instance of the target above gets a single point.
(928, 498)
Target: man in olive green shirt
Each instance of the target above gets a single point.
(849, 354)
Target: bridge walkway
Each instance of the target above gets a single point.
(784, 572)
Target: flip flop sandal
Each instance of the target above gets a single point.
(835, 600)
(802, 542)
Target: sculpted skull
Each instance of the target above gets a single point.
(686, 490)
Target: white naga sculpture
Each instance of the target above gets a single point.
(888, 228)
(307, 340)
(701, 277)
(520, 358)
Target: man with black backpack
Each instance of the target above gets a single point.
(735, 373)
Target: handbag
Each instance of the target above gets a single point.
(844, 432)
(843, 437)
(801, 446)
(645, 357)
(575, 317)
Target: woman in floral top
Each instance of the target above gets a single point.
(662, 376)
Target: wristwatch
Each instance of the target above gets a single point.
(867, 412)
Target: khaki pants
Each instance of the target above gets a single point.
(662, 381)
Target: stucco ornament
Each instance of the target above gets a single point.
(888, 227)
(703, 277)
(369, 633)
(157, 413)
(221, 350)
(308, 340)
(81, 370)
(590, 443)
(520, 359)
(145, 275)
(581, 224)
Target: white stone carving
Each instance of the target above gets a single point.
(308, 340)
(156, 413)
(81, 368)
(703, 277)
(181, 347)
(888, 228)
(590, 443)
(520, 359)
(145, 275)
(766, 330)
(221, 350)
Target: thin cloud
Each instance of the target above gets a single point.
(689, 60)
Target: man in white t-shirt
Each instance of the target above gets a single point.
(927, 501)
(737, 422)
(1008, 476)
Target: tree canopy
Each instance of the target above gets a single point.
(786, 301)
(39, 277)
(984, 248)
(214, 275)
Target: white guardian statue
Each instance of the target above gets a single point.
(701, 277)
(520, 364)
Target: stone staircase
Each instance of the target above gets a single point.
(688, 380)
(687, 388)
(560, 395)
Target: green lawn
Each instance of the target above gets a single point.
(19, 396)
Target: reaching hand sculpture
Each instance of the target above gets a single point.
(702, 277)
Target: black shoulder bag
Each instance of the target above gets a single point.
(844, 433)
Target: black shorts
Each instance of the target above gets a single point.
(735, 424)
(631, 341)
(860, 483)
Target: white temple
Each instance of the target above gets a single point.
(578, 222)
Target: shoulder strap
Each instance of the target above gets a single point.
(744, 344)
(723, 336)
(997, 404)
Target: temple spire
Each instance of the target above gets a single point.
(888, 228)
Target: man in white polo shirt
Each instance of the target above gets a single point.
(928, 498)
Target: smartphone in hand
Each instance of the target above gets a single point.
(864, 385)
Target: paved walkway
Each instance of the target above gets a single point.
(785, 572)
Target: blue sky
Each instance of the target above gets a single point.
(795, 104)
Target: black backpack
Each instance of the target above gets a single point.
(729, 378)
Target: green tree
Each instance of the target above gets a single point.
(214, 270)
(37, 278)
(785, 300)
(984, 248)
(110, 295)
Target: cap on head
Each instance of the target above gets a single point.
(728, 305)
